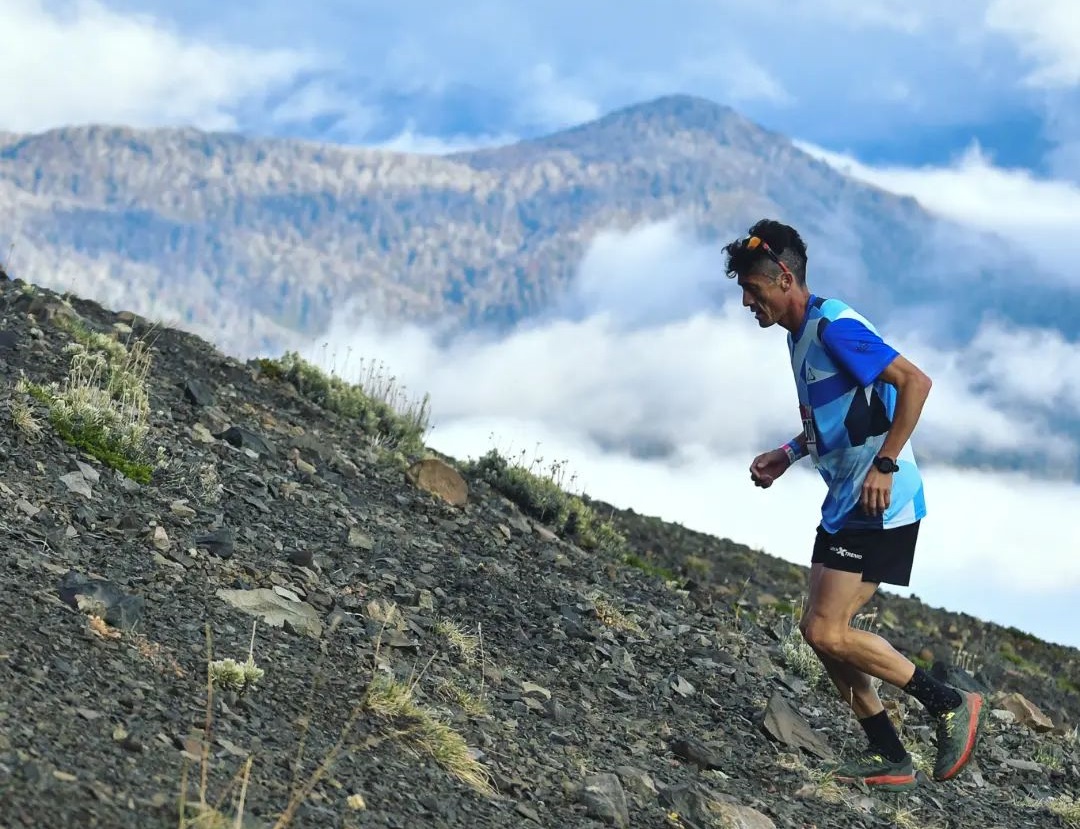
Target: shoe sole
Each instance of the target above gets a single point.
(974, 717)
(884, 782)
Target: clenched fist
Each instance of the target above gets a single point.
(768, 466)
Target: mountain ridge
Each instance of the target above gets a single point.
(318, 224)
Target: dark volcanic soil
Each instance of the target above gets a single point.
(597, 695)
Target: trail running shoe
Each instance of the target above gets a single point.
(876, 770)
(957, 733)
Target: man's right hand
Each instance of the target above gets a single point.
(768, 466)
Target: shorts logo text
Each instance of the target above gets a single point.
(844, 553)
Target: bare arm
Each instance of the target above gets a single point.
(912, 389)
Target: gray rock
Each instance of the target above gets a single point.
(275, 610)
(101, 598)
(785, 725)
(221, 542)
(637, 781)
(1023, 765)
(690, 803)
(243, 438)
(696, 752)
(91, 474)
(75, 482)
(735, 816)
(605, 800)
(199, 393)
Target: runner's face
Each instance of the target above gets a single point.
(765, 298)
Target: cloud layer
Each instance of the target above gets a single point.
(660, 391)
(82, 62)
(1037, 213)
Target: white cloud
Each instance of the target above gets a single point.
(1047, 31)
(548, 98)
(1040, 215)
(409, 140)
(993, 545)
(896, 15)
(643, 359)
(733, 75)
(1028, 365)
(662, 348)
(90, 64)
(618, 275)
(1001, 392)
(320, 98)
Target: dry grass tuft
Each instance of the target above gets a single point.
(470, 703)
(1066, 808)
(239, 676)
(209, 486)
(201, 814)
(377, 402)
(797, 654)
(540, 494)
(392, 700)
(904, 818)
(465, 643)
(824, 786)
(23, 418)
(612, 617)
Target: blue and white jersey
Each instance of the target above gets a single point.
(846, 411)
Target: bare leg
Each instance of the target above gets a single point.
(850, 656)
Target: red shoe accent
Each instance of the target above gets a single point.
(889, 780)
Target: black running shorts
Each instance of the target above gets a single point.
(880, 555)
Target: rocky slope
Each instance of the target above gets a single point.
(461, 665)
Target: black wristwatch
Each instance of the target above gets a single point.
(885, 465)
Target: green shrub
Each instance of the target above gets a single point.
(376, 402)
(649, 568)
(103, 406)
(541, 496)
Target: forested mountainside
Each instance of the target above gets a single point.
(249, 240)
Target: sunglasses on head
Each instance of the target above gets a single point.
(755, 242)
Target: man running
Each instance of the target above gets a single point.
(859, 401)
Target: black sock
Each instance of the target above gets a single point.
(883, 737)
(936, 696)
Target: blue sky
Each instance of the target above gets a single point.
(971, 106)
(888, 81)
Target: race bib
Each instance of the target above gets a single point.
(807, 416)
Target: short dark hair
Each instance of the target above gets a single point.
(782, 239)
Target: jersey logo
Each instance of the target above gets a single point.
(811, 375)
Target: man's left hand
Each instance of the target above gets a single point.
(876, 492)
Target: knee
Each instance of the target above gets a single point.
(823, 636)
